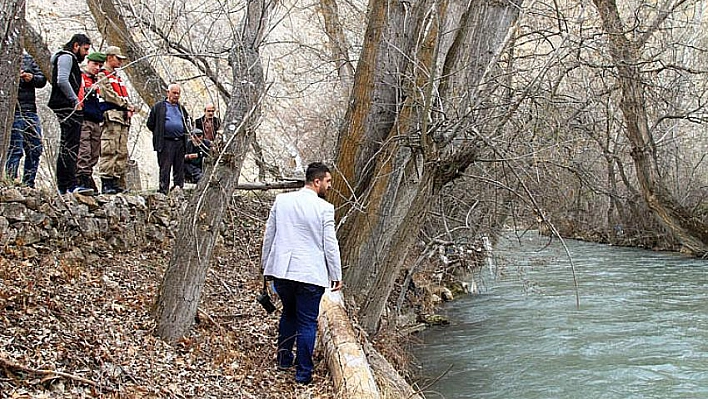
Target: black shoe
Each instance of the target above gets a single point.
(90, 183)
(304, 382)
(108, 186)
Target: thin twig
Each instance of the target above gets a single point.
(7, 363)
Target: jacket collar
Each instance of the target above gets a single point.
(309, 190)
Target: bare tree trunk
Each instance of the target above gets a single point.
(391, 160)
(192, 250)
(37, 48)
(691, 232)
(12, 15)
(337, 41)
(144, 78)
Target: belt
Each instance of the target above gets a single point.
(174, 138)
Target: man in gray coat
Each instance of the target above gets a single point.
(301, 256)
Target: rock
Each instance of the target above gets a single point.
(155, 200)
(28, 234)
(155, 233)
(11, 194)
(4, 227)
(443, 293)
(38, 218)
(89, 228)
(87, 200)
(136, 201)
(446, 294)
(89, 223)
(14, 211)
(435, 320)
(73, 256)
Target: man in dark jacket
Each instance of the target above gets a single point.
(67, 105)
(26, 133)
(198, 148)
(169, 123)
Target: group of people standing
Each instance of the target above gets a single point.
(94, 113)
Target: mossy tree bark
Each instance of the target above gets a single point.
(193, 246)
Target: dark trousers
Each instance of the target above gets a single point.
(171, 158)
(192, 173)
(298, 323)
(26, 138)
(70, 124)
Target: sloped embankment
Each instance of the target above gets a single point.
(78, 278)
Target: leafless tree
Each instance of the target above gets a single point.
(12, 14)
(626, 47)
(409, 129)
(184, 278)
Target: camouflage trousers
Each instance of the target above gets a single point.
(114, 150)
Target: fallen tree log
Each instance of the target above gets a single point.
(390, 382)
(346, 360)
(279, 185)
(356, 372)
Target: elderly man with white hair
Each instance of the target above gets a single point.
(169, 123)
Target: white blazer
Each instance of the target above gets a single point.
(300, 242)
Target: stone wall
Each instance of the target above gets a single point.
(35, 220)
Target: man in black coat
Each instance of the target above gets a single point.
(169, 123)
(26, 136)
(66, 104)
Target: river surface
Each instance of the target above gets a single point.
(641, 330)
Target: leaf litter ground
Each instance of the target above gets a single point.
(78, 324)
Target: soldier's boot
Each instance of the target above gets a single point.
(108, 186)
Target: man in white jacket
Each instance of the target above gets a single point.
(301, 255)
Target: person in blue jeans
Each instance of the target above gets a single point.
(301, 257)
(26, 135)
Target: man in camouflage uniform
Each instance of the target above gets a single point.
(118, 111)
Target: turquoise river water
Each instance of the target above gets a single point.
(641, 330)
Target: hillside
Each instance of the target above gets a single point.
(75, 322)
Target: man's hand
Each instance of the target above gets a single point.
(26, 76)
(336, 285)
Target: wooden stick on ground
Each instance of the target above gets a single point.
(11, 365)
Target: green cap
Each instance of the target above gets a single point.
(97, 57)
